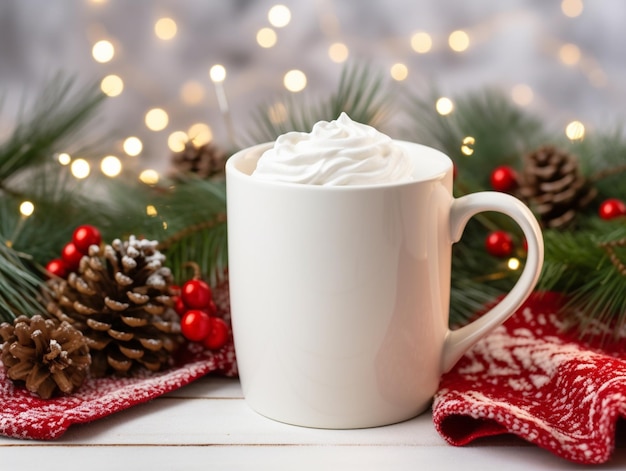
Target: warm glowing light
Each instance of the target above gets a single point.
(64, 158)
(421, 42)
(156, 119)
(192, 92)
(80, 168)
(522, 94)
(151, 210)
(466, 146)
(111, 166)
(217, 73)
(279, 16)
(103, 51)
(200, 134)
(575, 131)
(177, 140)
(399, 71)
(338, 52)
(459, 41)
(569, 54)
(572, 8)
(112, 85)
(513, 263)
(165, 28)
(27, 208)
(132, 146)
(295, 80)
(266, 37)
(444, 106)
(149, 176)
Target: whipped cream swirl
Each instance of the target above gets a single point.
(335, 153)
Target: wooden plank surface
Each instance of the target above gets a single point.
(207, 425)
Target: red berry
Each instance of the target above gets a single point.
(612, 208)
(57, 267)
(499, 244)
(196, 294)
(503, 178)
(195, 325)
(218, 335)
(71, 256)
(211, 308)
(86, 236)
(179, 305)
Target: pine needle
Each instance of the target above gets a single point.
(195, 215)
(25, 158)
(57, 115)
(19, 287)
(361, 94)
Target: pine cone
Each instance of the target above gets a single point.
(204, 161)
(121, 303)
(552, 185)
(47, 355)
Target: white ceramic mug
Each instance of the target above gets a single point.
(340, 295)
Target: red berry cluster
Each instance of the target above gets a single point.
(198, 321)
(612, 208)
(83, 237)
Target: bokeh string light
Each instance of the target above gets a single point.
(165, 28)
(217, 73)
(267, 34)
(26, 210)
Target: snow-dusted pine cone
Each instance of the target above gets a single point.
(121, 302)
(46, 355)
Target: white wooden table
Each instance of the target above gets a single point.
(207, 425)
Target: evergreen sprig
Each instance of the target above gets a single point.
(51, 125)
(361, 93)
(54, 120)
(19, 286)
(194, 213)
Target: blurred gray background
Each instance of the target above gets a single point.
(564, 60)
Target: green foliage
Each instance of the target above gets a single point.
(58, 114)
(194, 213)
(361, 94)
(575, 261)
(19, 287)
(52, 125)
(187, 217)
(484, 124)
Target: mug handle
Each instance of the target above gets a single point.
(460, 340)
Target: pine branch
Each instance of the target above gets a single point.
(194, 213)
(500, 133)
(601, 158)
(19, 287)
(360, 93)
(203, 243)
(57, 115)
(579, 264)
(25, 164)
